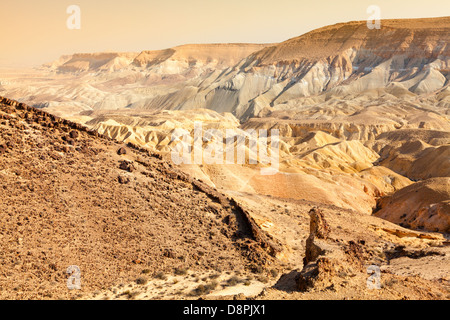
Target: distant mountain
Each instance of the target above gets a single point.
(211, 55)
(169, 61)
(405, 59)
(404, 56)
(103, 61)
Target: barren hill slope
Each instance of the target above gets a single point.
(70, 198)
(423, 205)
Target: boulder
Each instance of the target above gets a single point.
(121, 151)
(74, 134)
(127, 166)
(123, 179)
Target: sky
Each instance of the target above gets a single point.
(36, 32)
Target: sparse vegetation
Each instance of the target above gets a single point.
(390, 282)
(141, 281)
(214, 276)
(160, 276)
(182, 271)
(256, 268)
(234, 280)
(274, 273)
(262, 278)
(205, 289)
(130, 294)
(200, 290)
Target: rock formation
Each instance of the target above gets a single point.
(422, 205)
(325, 259)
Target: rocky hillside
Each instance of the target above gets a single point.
(127, 218)
(423, 205)
(73, 197)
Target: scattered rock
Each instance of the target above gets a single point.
(169, 254)
(123, 180)
(74, 134)
(121, 151)
(127, 166)
(3, 148)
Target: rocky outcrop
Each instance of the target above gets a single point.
(422, 205)
(121, 151)
(319, 229)
(326, 259)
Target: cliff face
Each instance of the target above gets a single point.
(102, 61)
(342, 60)
(212, 55)
(168, 61)
(424, 38)
(403, 60)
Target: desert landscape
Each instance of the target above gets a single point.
(359, 118)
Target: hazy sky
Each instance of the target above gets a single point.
(34, 32)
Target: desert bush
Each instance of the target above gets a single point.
(214, 276)
(141, 281)
(205, 289)
(263, 279)
(274, 272)
(161, 276)
(181, 271)
(234, 280)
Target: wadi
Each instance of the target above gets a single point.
(314, 168)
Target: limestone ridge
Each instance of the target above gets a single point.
(172, 60)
